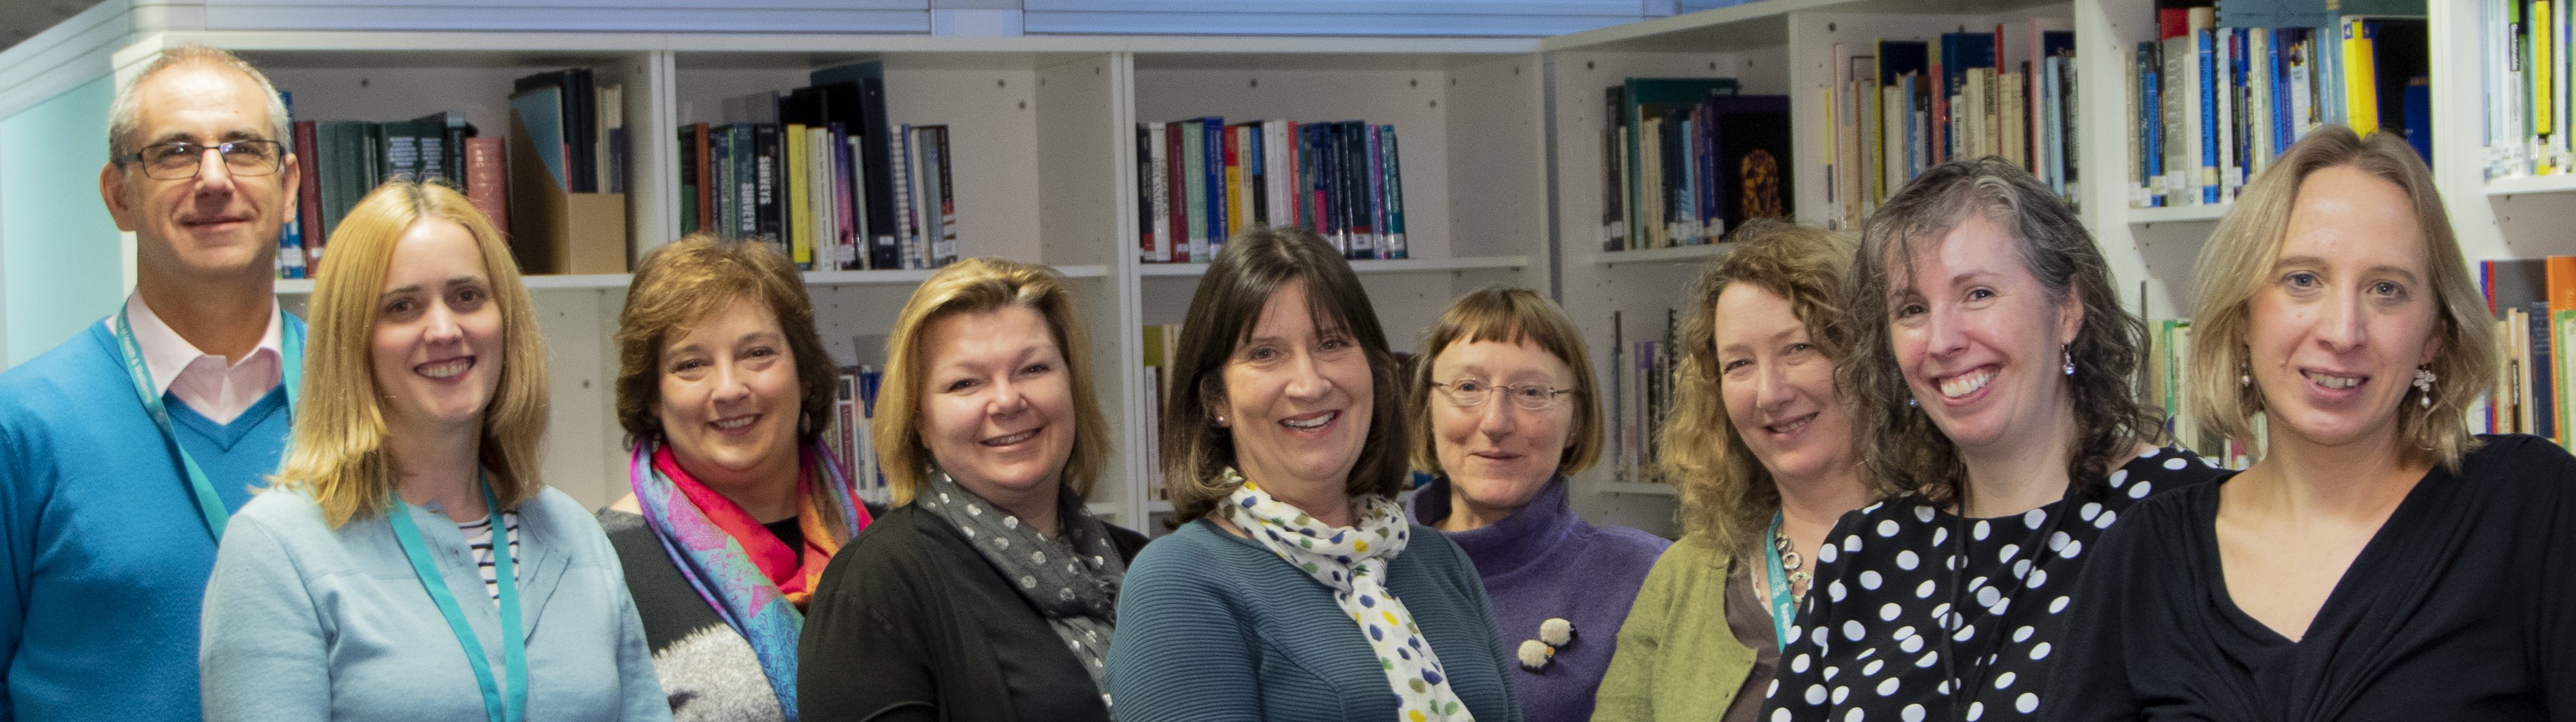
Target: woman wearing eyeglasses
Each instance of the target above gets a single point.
(1503, 407)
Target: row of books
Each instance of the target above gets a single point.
(2534, 302)
(2526, 58)
(1900, 107)
(2217, 104)
(1686, 159)
(822, 173)
(1202, 180)
(803, 189)
(1641, 396)
(2167, 374)
(340, 161)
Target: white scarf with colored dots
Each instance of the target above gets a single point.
(1352, 562)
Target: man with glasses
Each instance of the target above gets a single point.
(123, 450)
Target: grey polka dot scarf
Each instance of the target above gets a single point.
(1072, 579)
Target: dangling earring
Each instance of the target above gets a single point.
(1910, 403)
(2069, 354)
(2424, 383)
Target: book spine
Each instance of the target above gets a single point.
(1194, 187)
(850, 200)
(1212, 147)
(795, 214)
(1232, 140)
(769, 162)
(308, 196)
(486, 183)
(900, 177)
(944, 251)
(1376, 172)
(1395, 244)
(2206, 41)
(1175, 192)
(1158, 194)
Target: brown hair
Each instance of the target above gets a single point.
(686, 282)
(1725, 491)
(1253, 265)
(1910, 454)
(339, 453)
(974, 286)
(2237, 261)
(1511, 316)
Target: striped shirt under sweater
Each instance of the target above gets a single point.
(1214, 627)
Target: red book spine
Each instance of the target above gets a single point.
(706, 181)
(485, 180)
(308, 197)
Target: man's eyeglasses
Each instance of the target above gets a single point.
(181, 160)
(1471, 392)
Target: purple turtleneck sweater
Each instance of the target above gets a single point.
(1544, 562)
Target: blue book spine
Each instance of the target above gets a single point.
(2150, 127)
(2208, 115)
(1213, 130)
(2280, 80)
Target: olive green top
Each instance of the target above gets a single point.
(1678, 658)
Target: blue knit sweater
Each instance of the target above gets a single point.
(105, 554)
(1215, 628)
(1542, 563)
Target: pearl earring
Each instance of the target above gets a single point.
(2424, 382)
(2068, 353)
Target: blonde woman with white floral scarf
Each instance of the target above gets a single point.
(1298, 591)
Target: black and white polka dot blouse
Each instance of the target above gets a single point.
(1896, 613)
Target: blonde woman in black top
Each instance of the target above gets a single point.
(2378, 562)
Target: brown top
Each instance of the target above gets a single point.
(1751, 623)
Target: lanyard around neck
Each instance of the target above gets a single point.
(1783, 602)
(209, 505)
(514, 646)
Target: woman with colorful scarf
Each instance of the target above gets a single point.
(724, 389)
(1298, 591)
(988, 594)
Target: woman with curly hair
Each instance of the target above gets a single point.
(1760, 443)
(1992, 371)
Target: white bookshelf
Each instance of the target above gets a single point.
(1042, 131)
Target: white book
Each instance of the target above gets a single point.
(1158, 165)
(2258, 88)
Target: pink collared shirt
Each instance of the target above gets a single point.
(214, 389)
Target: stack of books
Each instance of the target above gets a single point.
(820, 173)
(1902, 106)
(2525, 56)
(1686, 159)
(1202, 180)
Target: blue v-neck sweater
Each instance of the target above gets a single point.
(105, 553)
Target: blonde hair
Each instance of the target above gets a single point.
(1511, 316)
(1725, 491)
(976, 286)
(1228, 303)
(688, 281)
(2237, 262)
(339, 453)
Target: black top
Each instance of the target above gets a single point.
(2461, 607)
(1871, 642)
(910, 623)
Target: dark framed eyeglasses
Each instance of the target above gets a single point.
(180, 160)
(1473, 392)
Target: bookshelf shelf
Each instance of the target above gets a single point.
(2520, 185)
(1657, 255)
(1401, 265)
(2178, 214)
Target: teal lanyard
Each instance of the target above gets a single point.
(291, 369)
(514, 646)
(1783, 603)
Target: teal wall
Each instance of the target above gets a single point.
(59, 260)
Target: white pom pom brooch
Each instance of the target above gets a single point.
(1553, 633)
